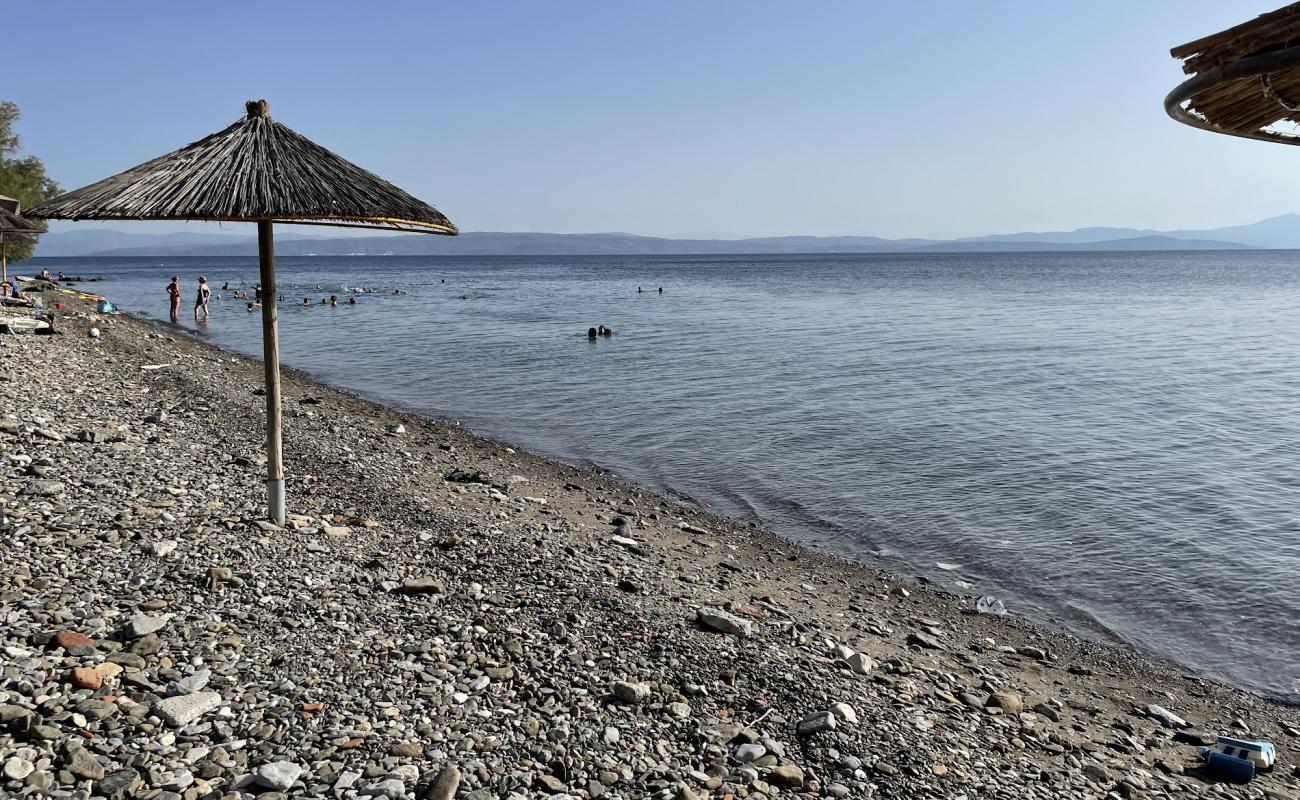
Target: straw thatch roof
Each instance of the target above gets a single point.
(1246, 79)
(13, 223)
(14, 229)
(256, 169)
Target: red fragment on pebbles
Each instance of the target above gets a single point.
(85, 678)
(70, 639)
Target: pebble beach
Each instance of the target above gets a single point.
(447, 616)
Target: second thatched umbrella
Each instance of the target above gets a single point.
(256, 170)
(13, 230)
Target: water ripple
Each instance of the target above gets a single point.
(1110, 440)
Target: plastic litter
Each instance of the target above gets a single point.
(990, 605)
(1237, 759)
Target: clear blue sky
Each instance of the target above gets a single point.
(660, 118)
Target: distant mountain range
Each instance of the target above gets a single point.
(1275, 233)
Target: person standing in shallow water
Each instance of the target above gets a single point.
(202, 298)
(174, 294)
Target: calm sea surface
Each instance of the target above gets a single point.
(1107, 441)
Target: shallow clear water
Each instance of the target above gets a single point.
(1110, 441)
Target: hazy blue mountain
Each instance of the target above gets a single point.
(1277, 232)
(90, 241)
(1282, 232)
(1080, 236)
(1135, 243)
(494, 243)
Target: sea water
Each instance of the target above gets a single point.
(1109, 442)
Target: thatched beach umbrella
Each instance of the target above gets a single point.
(256, 170)
(13, 230)
(1245, 80)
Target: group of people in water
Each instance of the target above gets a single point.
(253, 296)
(601, 331)
(332, 301)
(203, 296)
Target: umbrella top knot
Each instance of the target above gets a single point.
(257, 108)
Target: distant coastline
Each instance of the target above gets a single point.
(1282, 232)
(557, 244)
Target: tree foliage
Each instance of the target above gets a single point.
(20, 178)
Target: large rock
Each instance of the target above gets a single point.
(924, 640)
(444, 788)
(860, 663)
(816, 723)
(74, 643)
(278, 775)
(845, 712)
(190, 683)
(145, 624)
(721, 621)
(182, 710)
(15, 718)
(1166, 717)
(82, 764)
(423, 586)
(85, 678)
(1007, 700)
(17, 768)
(96, 709)
(747, 753)
(1194, 736)
(147, 645)
(630, 692)
(787, 776)
(119, 781)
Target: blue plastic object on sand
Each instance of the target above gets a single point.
(1238, 759)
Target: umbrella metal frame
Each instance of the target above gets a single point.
(1252, 66)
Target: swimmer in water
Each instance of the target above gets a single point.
(352, 301)
(661, 290)
(334, 300)
(306, 302)
(591, 334)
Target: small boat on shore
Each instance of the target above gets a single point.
(17, 324)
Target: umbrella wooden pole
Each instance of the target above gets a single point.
(271, 360)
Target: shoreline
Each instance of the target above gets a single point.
(942, 702)
(1091, 630)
